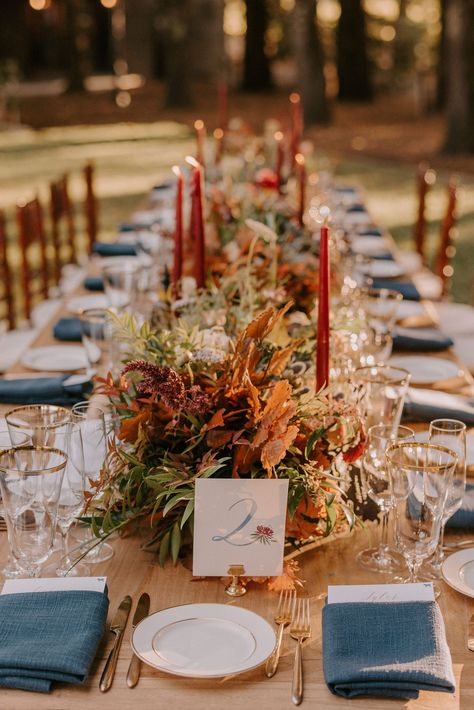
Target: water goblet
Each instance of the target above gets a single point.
(376, 478)
(420, 475)
(40, 422)
(30, 482)
(121, 284)
(379, 392)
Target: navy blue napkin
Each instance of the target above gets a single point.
(68, 329)
(420, 339)
(45, 390)
(356, 208)
(93, 283)
(406, 288)
(49, 636)
(423, 405)
(464, 517)
(114, 249)
(383, 256)
(370, 232)
(385, 650)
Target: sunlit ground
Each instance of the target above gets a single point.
(131, 158)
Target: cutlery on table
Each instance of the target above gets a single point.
(143, 607)
(282, 619)
(470, 634)
(300, 630)
(459, 545)
(117, 627)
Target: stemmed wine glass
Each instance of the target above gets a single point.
(376, 478)
(420, 475)
(380, 392)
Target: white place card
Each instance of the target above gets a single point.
(419, 592)
(54, 584)
(239, 522)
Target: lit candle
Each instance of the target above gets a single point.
(219, 146)
(299, 160)
(296, 124)
(280, 156)
(200, 129)
(178, 232)
(322, 344)
(196, 226)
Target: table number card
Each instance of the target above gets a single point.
(239, 522)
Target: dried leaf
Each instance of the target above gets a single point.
(275, 449)
(215, 439)
(215, 421)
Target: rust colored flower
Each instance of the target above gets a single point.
(197, 401)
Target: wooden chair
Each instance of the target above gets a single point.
(34, 266)
(447, 250)
(90, 204)
(63, 233)
(9, 315)
(426, 177)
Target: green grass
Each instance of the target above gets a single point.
(130, 158)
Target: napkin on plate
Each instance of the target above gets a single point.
(93, 283)
(406, 288)
(68, 329)
(49, 636)
(420, 339)
(464, 517)
(64, 390)
(369, 232)
(423, 405)
(385, 649)
(114, 249)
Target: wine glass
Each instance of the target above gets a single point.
(121, 283)
(380, 391)
(376, 478)
(97, 338)
(30, 482)
(452, 434)
(40, 422)
(420, 475)
(93, 425)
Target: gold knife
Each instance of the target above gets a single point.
(470, 636)
(117, 627)
(143, 607)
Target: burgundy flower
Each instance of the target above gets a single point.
(197, 401)
(162, 381)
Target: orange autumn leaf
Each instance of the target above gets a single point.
(280, 358)
(275, 449)
(243, 458)
(304, 522)
(215, 421)
(217, 438)
(253, 397)
(129, 427)
(279, 405)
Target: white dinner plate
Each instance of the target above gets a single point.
(410, 309)
(426, 370)
(424, 435)
(203, 640)
(55, 358)
(458, 571)
(83, 303)
(368, 246)
(384, 269)
(117, 261)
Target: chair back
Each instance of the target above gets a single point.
(33, 251)
(90, 204)
(8, 314)
(447, 249)
(426, 177)
(63, 233)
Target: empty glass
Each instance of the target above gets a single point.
(40, 422)
(376, 478)
(420, 475)
(121, 283)
(97, 338)
(30, 482)
(380, 391)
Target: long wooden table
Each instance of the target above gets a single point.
(132, 571)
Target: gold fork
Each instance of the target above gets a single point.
(282, 618)
(300, 630)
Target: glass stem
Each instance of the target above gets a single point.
(384, 532)
(413, 567)
(439, 554)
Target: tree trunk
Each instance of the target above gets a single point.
(460, 76)
(441, 68)
(309, 62)
(178, 52)
(74, 57)
(256, 65)
(352, 62)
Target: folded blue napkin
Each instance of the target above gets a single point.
(356, 208)
(420, 339)
(464, 517)
(49, 636)
(93, 283)
(64, 390)
(370, 232)
(406, 288)
(383, 256)
(114, 249)
(423, 405)
(68, 329)
(385, 650)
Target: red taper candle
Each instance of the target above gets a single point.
(296, 125)
(178, 232)
(280, 157)
(200, 129)
(299, 160)
(196, 224)
(322, 344)
(219, 145)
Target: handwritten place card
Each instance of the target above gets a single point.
(420, 592)
(54, 584)
(239, 522)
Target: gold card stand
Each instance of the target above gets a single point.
(235, 588)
